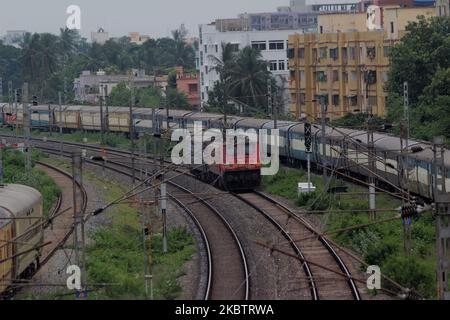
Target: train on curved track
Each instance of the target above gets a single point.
(21, 233)
(346, 150)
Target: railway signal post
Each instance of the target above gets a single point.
(308, 145)
(442, 205)
(372, 165)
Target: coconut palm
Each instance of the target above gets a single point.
(249, 78)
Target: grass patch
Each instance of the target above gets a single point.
(116, 255)
(380, 244)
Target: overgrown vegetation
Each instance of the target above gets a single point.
(116, 256)
(422, 58)
(381, 244)
(45, 60)
(14, 172)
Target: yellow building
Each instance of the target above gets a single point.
(349, 68)
(345, 64)
(137, 38)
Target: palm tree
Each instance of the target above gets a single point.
(224, 63)
(250, 77)
(39, 60)
(68, 40)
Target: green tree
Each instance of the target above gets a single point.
(120, 95)
(422, 58)
(176, 99)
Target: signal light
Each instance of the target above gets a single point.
(308, 137)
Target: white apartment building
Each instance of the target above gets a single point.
(272, 43)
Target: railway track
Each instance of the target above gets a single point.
(324, 284)
(228, 275)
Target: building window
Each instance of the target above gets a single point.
(386, 51)
(276, 45)
(334, 53)
(353, 75)
(206, 48)
(371, 52)
(302, 98)
(384, 76)
(301, 53)
(206, 69)
(292, 75)
(273, 65)
(281, 65)
(321, 76)
(234, 47)
(203, 96)
(353, 100)
(371, 77)
(372, 101)
(201, 58)
(203, 79)
(392, 27)
(345, 76)
(335, 75)
(193, 88)
(335, 100)
(314, 55)
(259, 45)
(321, 29)
(352, 53)
(291, 53)
(344, 55)
(217, 48)
(323, 52)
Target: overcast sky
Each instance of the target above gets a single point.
(153, 17)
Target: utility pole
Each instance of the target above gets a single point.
(61, 143)
(105, 100)
(163, 201)
(323, 119)
(269, 98)
(10, 94)
(148, 259)
(26, 127)
(133, 165)
(16, 102)
(79, 234)
(372, 165)
(404, 164)
(102, 126)
(442, 205)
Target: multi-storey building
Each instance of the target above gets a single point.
(188, 83)
(100, 37)
(345, 63)
(272, 44)
(137, 38)
(348, 68)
